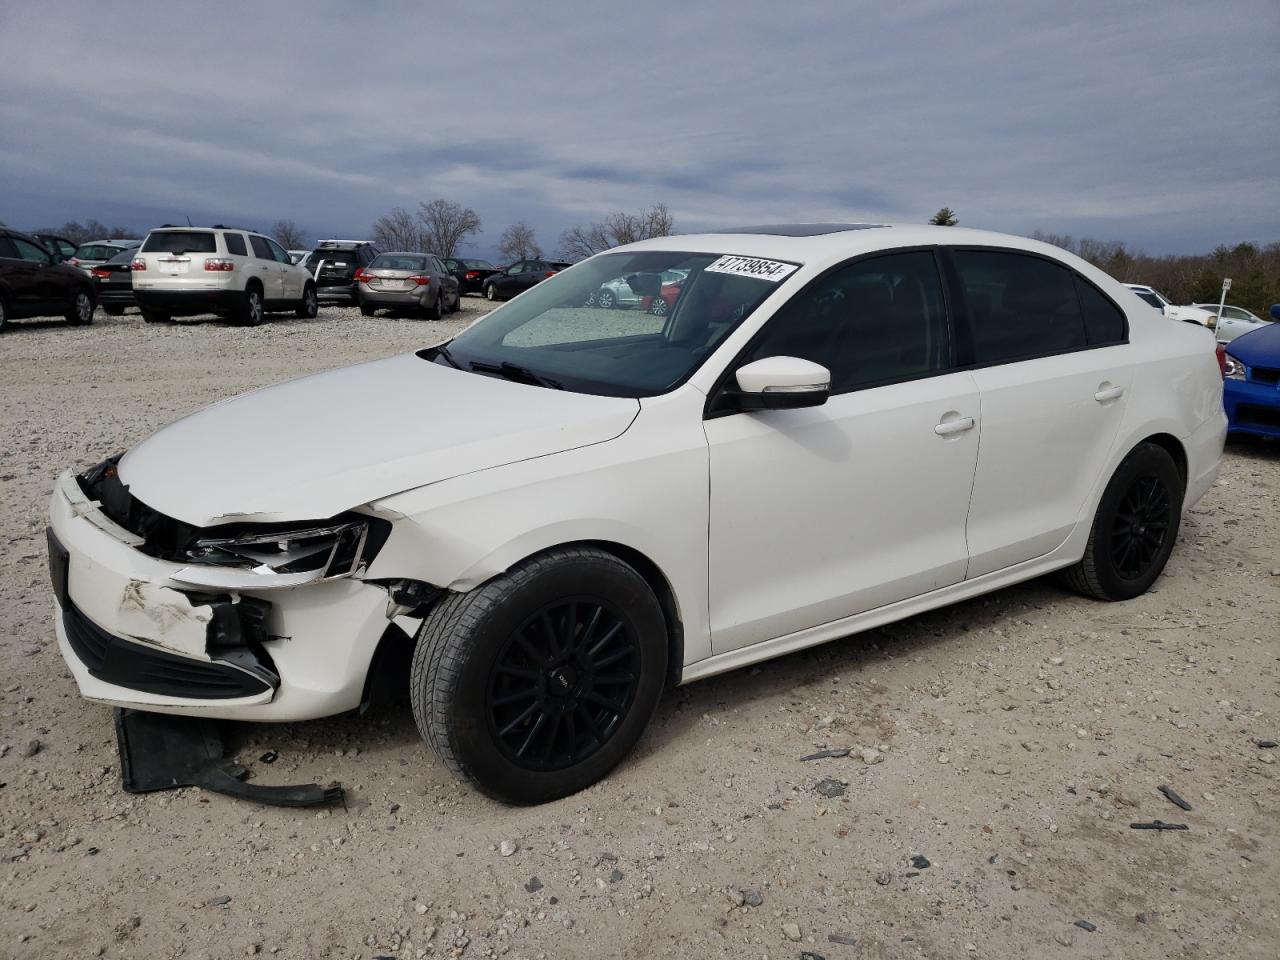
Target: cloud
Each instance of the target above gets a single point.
(1157, 126)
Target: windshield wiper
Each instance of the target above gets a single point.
(443, 351)
(513, 371)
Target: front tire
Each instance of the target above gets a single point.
(113, 311)
(605, 300)
(537, 683)
(1134, 529)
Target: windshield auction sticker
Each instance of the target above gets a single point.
(771, 270)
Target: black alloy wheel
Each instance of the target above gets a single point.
(1139, 527)
(1134, 528)
(562, 684)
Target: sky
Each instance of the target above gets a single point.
(1153, 123)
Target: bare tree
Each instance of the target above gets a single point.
(399, 230)
(946, 217)
(446, 226)
(78, 232)
(518, 242)
(585, 240)
(288, 234)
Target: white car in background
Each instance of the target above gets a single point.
(1235, 321)
(836, 426)
(239, 274)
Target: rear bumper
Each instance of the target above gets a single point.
(1252, 407)
(1204, 457)
(417, 297)
(345, 291)
(115, 297)
(187, 302)
(132, 637)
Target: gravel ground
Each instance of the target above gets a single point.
(999, 751)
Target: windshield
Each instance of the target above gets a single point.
(621, 324)
(1151, 298)
(477, 265)
(330, 256)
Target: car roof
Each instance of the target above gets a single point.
(343, 243)
(110, 243)
(813, 245)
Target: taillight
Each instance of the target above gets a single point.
(100, 273)
(420, 280)
(550, 273)
(1222, 359)
(472, 275)
(138, 264)
(360, 276)
(219, 264)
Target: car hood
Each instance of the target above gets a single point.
(1258, 348)
(312, 448)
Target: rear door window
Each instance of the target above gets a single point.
(1020, 306)
(235, 244)
(261, 249)
(181, 241)
(7, 249)
(277, 251)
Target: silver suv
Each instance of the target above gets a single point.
(239, 274)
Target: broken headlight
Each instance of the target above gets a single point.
(277, 558)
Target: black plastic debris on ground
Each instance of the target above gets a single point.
(1173, 797)
(1086, 925)
(160, 752)
(1266, 744)
(1158, 825)
(824, 754)
(269, 757)
(920, 861)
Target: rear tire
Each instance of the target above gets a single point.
(367, 311)
(436, 310)
(1134, 529)
(81, 312)
(113, 311)
(251, 311)
(308, 306)
(4, 313)
(156, 316)
(577, 635)
(490, 292)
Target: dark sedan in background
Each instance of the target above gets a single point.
(470, 272)
(113, 283)
(34, 284)
(520, 276)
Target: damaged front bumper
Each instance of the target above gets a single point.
(135, 635)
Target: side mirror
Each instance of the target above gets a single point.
(782, 383)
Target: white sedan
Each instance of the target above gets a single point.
(836, 426)
(1235, 322)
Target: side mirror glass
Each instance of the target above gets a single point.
(782, 383)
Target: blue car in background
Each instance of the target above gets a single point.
(1251, 389)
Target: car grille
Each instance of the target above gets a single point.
(1264, 375)
(136, 666)
(1248, 414)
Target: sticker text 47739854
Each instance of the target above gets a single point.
(771, 270)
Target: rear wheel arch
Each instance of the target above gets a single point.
(1173, 446)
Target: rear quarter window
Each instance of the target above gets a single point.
(235, 244)
(181, 241)
(1104, 322)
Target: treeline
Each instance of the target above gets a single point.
(1193, 278)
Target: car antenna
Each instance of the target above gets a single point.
(189, 223)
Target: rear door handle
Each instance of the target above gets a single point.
(1108, 393)
(948, 427)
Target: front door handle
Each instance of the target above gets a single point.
(1106, 393)
(949, 427)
